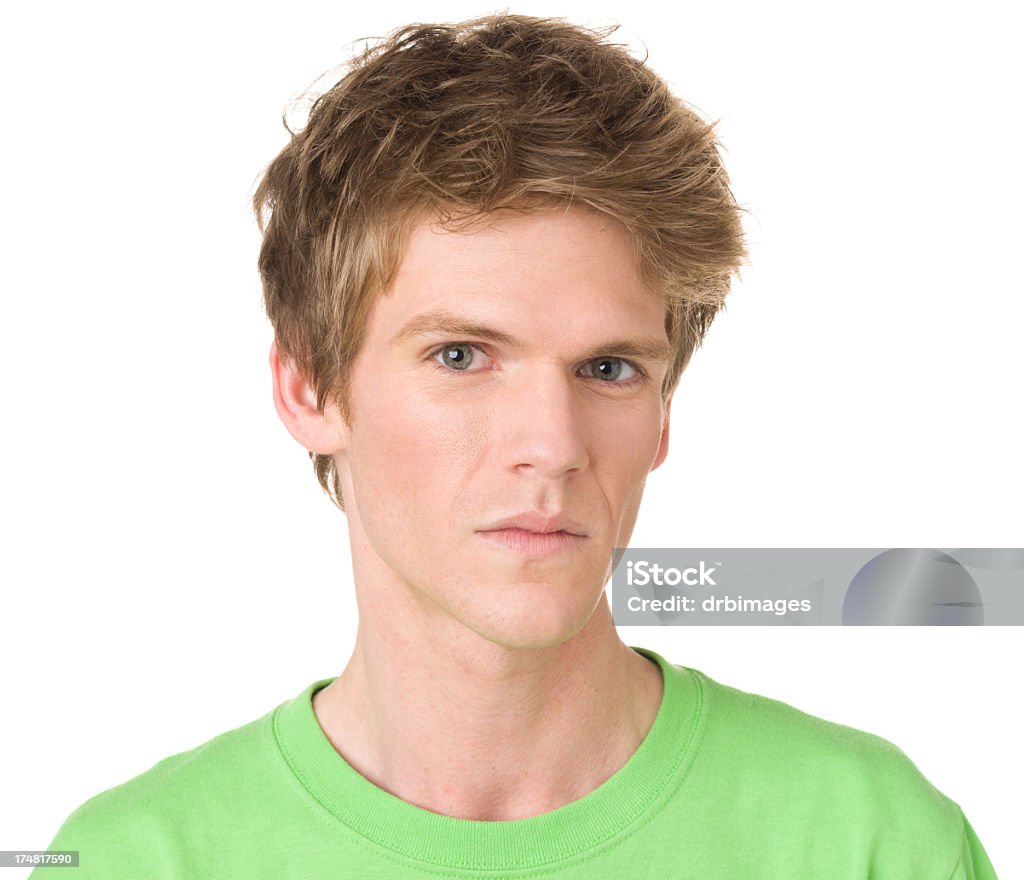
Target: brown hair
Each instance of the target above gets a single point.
(452, 121)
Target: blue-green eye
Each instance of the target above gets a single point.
(609, 369)
(457, 356)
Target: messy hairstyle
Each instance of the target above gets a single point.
(448, 122)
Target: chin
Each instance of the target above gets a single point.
(534, 616)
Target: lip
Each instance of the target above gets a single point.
(528, 543)
(536, 534)
(538, 523)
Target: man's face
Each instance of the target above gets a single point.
(511, 370)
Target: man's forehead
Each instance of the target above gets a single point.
(523, 236)
(511, 277)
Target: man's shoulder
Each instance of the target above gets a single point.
(144, 817)
(785, 729)
(206, 768)
(772, 744)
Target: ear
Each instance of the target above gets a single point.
(295, 401)
(663, 447)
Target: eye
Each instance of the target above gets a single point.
(455, 356)
(609, 370)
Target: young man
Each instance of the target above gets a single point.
(487, 259)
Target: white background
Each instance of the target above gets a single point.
(170, 568)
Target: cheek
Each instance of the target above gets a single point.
(411, 456)
(625, 454)
(625, 460)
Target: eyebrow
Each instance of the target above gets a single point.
(443, 321)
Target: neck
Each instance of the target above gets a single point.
(461, 726)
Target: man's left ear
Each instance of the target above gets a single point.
(663, 447)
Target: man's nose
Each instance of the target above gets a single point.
(543, 423)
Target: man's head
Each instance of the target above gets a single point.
(508, 411)
(449, 123)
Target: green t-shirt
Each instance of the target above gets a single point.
(726, 785)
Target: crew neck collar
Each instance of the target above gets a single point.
(655, 769)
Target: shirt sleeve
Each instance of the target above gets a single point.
(974, 863)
